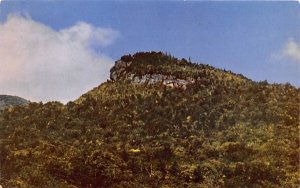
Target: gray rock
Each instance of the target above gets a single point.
(119, 71)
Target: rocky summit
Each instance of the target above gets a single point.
(159, 121)
(151, 68)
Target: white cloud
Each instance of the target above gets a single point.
(39, 63)
(292, 50)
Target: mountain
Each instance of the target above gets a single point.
(158, 122)
(10, 101)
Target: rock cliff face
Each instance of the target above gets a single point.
(167, 80)
(121, 71)
(157, 67)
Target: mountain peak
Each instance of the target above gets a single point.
(159, 67)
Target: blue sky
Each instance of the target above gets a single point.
(260, 40)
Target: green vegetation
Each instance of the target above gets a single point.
(222, 131)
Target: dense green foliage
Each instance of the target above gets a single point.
(222, 131)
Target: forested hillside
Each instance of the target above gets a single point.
(159, 122)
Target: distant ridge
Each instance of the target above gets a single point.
(10, 101)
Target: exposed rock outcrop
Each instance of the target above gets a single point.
(120, 71)
(167, 80)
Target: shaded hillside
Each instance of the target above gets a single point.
(181, 125)
(10, 101)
